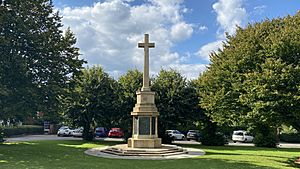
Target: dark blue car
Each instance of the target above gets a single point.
(101, 132)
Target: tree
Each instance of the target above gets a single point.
(176, 100)
(37, 61)
(94, 102)
(129, 84)
(255, 80)
(1, 134)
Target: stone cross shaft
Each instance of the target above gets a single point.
(146, 45)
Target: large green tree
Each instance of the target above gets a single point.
(94, 102)
(129, 84)
(255, 78)
(37, 61)
(176, 100)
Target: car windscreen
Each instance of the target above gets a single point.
(238, 133)
(115, 130)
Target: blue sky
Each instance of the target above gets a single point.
(185, 32)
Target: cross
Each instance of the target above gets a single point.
(146, 45)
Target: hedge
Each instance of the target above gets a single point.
(24, 129)
(290, 137)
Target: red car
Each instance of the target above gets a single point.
(116, 132)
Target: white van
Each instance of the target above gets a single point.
(241, 136)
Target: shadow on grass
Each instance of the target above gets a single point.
(88, 144)
(250, 153)
(228, 164)
(291, 162)
(69, 154)
(239, 148)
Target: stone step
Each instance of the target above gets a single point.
(145, 151)
(144, 154)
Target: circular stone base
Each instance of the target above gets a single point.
(121, 151)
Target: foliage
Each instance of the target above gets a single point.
(1, 134)
(288, 129)
(255, 78)
(94, 102)
(70, 154)
(290, 137)
(37, 61)
(265, 136)
(24, 129)
(176, 100)
(210, 135)
(166, 138)
(289, 134)
(129, 84)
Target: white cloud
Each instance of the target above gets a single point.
(203, 28)
(181, 31)
(205, 50)
(230, 14)
(108, 33)
(259, 10)
(192, 71)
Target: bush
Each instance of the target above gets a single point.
(127, 135)
(166, 139)
(88, 134)
(290, 137)
(265, 140)
(213, 139)
(1, 134)
(25, 129)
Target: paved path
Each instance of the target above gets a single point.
(281, 145)
(149, 154)
(51, 137)
(54, 137)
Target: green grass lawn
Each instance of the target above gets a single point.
(69, 154)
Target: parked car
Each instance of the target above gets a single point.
(65, 131)
(193, 135)
(101, 132)
(241, 136)
(175, 134)
(78, 132)
(116, 132)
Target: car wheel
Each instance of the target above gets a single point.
(182, 138)
(234, 141)
(188, 139)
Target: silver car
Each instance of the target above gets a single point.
(78, 132)
(241, 136)
(175, 134)
(65, 131)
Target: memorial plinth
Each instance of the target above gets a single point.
(145, 114)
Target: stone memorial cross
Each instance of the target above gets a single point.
(144, 113)
(146, 45)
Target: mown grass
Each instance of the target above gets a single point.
(70, 154)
